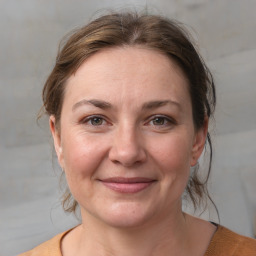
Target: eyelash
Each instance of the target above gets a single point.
(167, 121)
(90, 119)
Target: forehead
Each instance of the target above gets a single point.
(128, 72)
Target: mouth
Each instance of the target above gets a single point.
(127, 185)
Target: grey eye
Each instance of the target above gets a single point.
(159, 121)
(96, 121)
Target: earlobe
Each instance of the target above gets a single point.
(56, 138)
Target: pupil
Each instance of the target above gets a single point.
(159, 120)
(96, 121)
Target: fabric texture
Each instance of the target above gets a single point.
(224, 243)
(227, 243)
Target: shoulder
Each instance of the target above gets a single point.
(51, 247)
(228, 243)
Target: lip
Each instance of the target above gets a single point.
(127, 185)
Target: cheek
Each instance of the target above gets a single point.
(173, 157)
(82, 155)
(174, 152)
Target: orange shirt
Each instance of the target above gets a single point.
(224, 243)
(227, 243)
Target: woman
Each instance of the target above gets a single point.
(129, 101)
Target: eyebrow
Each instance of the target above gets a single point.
(159, 103)
(106, 105)
(97, 103)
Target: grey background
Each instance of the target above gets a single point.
(30, 212)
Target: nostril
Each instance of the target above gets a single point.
(127, 148)
(127, 157)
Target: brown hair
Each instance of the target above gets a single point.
(150, 31)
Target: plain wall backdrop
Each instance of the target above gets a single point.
(225, 31)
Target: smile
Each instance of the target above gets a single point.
(127, 185)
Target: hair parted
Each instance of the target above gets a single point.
(132, 29)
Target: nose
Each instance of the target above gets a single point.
(127, 148)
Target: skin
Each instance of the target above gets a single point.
(127, 113)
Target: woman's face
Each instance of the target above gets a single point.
(127, 140)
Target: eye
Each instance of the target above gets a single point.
(94, 121)
(159, 120)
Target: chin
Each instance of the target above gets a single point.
(127, 215)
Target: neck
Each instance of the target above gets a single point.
(168, 237)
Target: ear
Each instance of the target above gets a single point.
(199, 142)
(56, 139)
